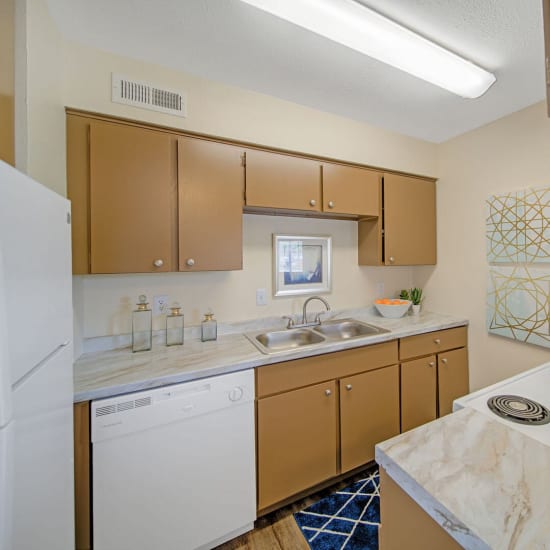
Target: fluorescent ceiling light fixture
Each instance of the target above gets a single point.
(358, 27)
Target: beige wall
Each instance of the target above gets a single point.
(45, 154)
(103, 304)
(108, 300)
(511, 153)
(226, 111)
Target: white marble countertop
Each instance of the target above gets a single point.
(109, 373)
(485, 483)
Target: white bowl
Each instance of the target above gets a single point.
(393, 311)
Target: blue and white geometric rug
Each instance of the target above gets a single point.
(345, 520)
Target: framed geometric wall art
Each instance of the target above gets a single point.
(518, 227)
(518, 304)
(518, 252)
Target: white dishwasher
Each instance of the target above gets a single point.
(174, 467)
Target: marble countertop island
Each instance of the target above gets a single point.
(108, 373)
(485, 483)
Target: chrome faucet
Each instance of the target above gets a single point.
(318, 316)
(304, 323)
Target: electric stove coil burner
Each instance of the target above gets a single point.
(519, 409)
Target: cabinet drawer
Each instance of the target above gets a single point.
(432, 342)
(312, 370)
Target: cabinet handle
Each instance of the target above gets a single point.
(444, 361)
(431, 364)
(331, 204)
(348, 387)
(158, 263)
(328, 392)
(312, 202)
(437, 341)
(392, 259)
(190, 262)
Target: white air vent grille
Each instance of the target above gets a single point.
(122, 406)
(108, 409)
(141, 94)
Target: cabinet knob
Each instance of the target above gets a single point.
(328, 392)
(392, 259)
(312, 202)
(190, 262)
(444, 361)
(431, 364)
(348, 387)
(331, 204)
(437, 341)
(158, 263)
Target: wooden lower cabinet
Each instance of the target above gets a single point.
(296, 441)
(452, 378)
(369, 413)
(404, 524)
(320, 417)
(82, 476)
(418, 392)
(430, 384)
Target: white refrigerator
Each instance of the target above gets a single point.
(36, 358)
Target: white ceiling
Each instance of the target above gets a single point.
(234, 43)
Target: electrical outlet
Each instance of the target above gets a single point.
(261, 297)
(160, 305)
(380, 290)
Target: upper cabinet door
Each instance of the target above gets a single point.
(409, 221)
(210, 199)
(132, 199)
(350, 190)
(282, 181)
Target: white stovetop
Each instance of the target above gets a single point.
(533, 384)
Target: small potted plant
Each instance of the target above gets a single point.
(415, 295)
(404, 295)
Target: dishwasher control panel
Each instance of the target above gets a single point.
(129, 413)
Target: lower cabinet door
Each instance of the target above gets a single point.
(369, 413)
(418, 392)
(296, 441)
(453, 381)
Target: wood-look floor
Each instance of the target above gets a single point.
(278, 530)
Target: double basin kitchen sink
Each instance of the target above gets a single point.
(298, 338)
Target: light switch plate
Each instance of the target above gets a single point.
(261, 297)
(160, 305)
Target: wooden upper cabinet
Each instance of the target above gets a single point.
(409, 221)
(78, 190)
(7, 81)
(405, 232)
(210, 199)
(287, 182)
(147, 200)
(350, 190)
(132, 199)
(275, 180)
